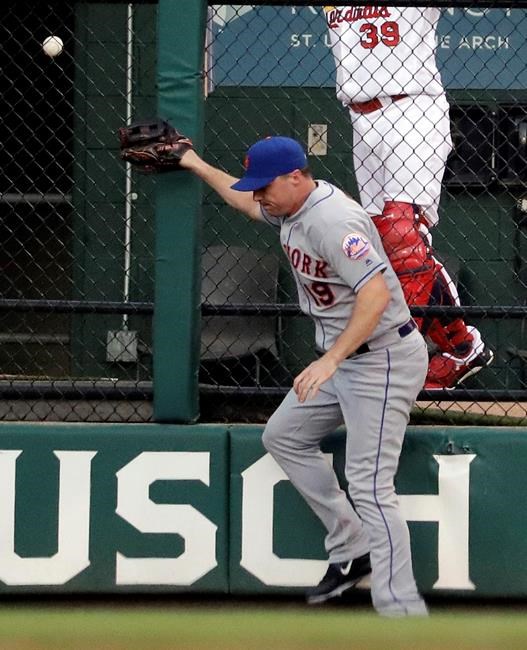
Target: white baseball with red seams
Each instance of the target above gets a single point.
(53, 46)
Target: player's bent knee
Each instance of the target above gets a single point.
(275, 437)
(270, 438)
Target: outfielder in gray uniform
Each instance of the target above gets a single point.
(371, 364)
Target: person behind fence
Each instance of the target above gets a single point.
(387, 78)
(371, 364)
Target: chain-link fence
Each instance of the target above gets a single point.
(271, 70)
(78, 227)
(77, 236)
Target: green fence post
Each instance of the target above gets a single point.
(181, 43)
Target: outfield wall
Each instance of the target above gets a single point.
(203, 509)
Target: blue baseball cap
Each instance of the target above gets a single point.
(267, 159)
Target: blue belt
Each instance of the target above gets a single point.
(403, 331)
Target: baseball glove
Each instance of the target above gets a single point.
(153, 146)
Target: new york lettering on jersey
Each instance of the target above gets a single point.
(307, 264)
(312, 274)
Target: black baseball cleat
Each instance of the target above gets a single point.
(339, 577)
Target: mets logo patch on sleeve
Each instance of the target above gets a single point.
(355, 245)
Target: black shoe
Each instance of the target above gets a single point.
(339, 577)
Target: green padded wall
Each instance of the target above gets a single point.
(181, 39)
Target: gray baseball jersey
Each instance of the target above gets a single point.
(334, 249)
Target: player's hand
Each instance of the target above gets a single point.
(308, 382)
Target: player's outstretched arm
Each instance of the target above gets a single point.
(221, 183)
(155, 146)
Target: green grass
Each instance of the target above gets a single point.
(235, 627)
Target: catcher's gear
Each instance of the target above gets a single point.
(423, 279)
(408, 252)
(153, 146)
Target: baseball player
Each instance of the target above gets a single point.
(388, 79)
(371, 362)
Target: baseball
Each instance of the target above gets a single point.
(52, 45)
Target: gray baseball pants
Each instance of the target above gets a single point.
(372, 394)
